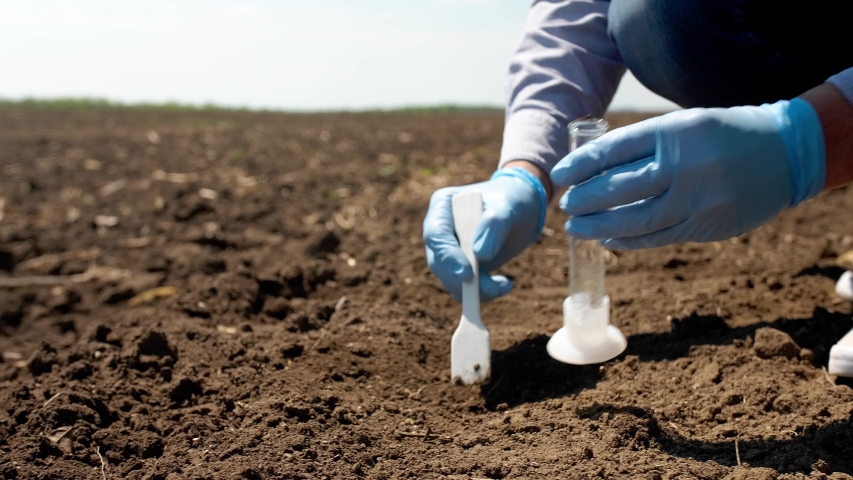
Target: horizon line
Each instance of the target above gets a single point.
(69, 103)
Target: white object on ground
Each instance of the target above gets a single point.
(844, 287)
(587, 336)
(841, 354)
(841, 357)
(470, 347)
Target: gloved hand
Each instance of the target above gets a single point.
(514, 208)
(693, 175)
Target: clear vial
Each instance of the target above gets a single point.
(587, 306)
(586, 129)
(586, 257)
(586, 271)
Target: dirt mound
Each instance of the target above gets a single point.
(246, 296)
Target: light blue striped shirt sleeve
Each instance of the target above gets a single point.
(844, 82)
(565, 67)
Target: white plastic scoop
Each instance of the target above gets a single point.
(470, 347)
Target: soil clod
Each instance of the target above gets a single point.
(770, 343)
(322, 245)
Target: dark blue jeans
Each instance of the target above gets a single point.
(722, 53)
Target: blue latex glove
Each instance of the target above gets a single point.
(694, 175)
(514, 208)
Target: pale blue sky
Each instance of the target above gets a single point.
(285, 54)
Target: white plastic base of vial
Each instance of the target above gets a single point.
(587, 336)
(844, 287)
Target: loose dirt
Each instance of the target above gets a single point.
(245, 295)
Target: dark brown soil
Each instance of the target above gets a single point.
(303, 335)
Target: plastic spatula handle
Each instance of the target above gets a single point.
(470, 347)
(467, 210)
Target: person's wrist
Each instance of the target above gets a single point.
(536, 171)
(799, 127)
(836, 119)
(538, 190)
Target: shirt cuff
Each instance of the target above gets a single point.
(534, 136)
(844, 82)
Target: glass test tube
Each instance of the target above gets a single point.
(586, 261)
